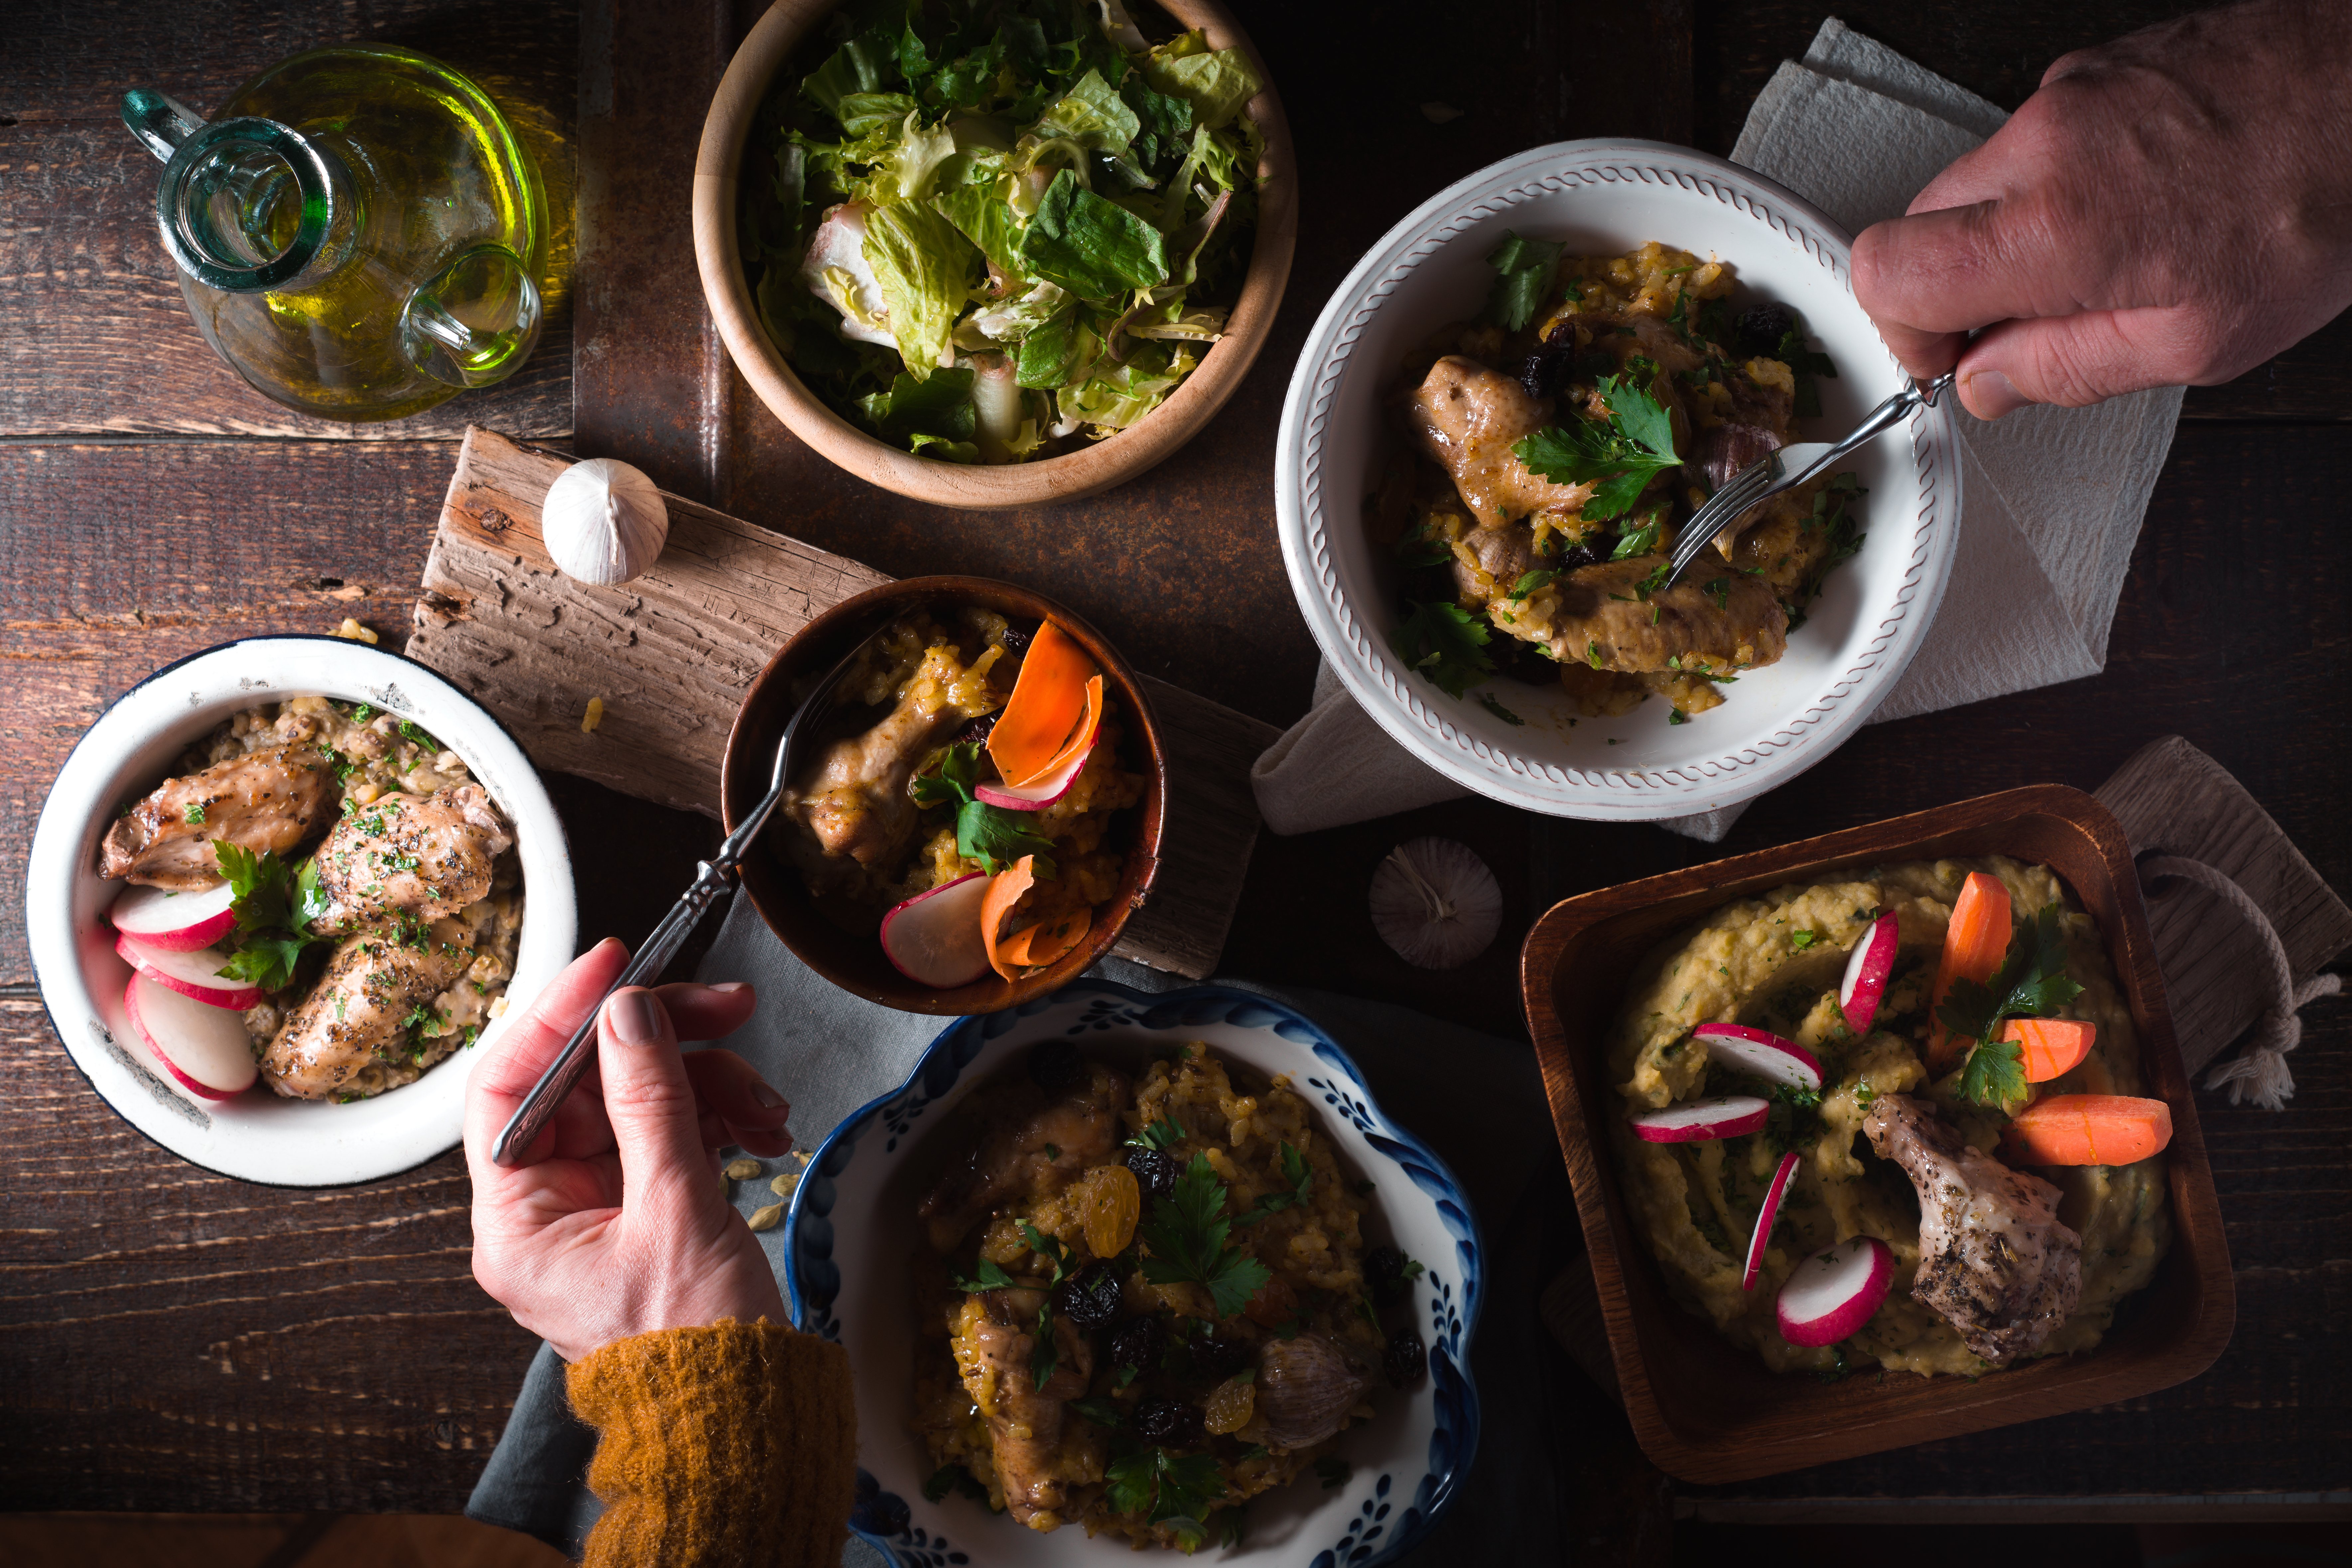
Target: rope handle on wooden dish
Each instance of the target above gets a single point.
(2260, 1072)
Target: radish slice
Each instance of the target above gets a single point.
(1771, 1211)
(934, 938)
(1038, 795)
(165, 921)
(205, 1048)
(196, 975)
(1698, 1121)
(1758, 1051)
(1834, 1291)
(1867, 971)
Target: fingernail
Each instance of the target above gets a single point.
(1989, 394)
(732, 987)
(636, 1017)
(768, 1098)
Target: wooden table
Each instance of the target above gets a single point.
(172, 1341)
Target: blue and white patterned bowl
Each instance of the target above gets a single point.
(852, 1230)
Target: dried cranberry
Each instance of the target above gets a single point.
(1139, 1343)
(1016, 640)
(1155, 1171)
(979, 730)
(1090, 1299)
(1217, 1358)
(1171, 1422)
(1404, 1360)
(1057, 1067)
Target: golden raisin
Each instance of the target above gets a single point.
(1229, 1406)
(1112, 1202)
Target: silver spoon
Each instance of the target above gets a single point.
(714, 877)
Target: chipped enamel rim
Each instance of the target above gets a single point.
(1606, 197)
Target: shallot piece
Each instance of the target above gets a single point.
(1305, 1387)
(1434, 902)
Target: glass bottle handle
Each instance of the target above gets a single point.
(475, 321)
(160, 122)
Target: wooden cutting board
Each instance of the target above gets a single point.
(672, 653)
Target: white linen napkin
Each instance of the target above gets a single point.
(2053, 497)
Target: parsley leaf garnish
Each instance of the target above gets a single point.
(1187, 1233)
(1334, 1471)
(1637, 443)
(1417, 549)
(1803, 365)
(1529, 582)
(1445, 643)
(1099, 1411)
(1298, 1173)
(987, 1276)
(1051, 1249)
(1048, 1356)
(984, 833)
(273, 903)
(1638, 541)
(1526, 268)
(1176, 1488)
(2032, 982)
(1487, 702)
(1162, 1135)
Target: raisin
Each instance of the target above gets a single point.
(1229, 1408)
(1214, 1357)
(1761, 330)
(1090, 1299)
(1111, 1200)
(1155, 1172)
(1057, 1067)
(1404, 1360)
(979, 730)
(1171, 1422)
(1139, 1343)
(1547, 371)
(1385, 1274)
(1015, 639)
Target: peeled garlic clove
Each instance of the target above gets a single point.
(603, 522)
(1435, 901)
(1305, 1387)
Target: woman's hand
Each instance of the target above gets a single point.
(616, 1225)
(2172, 208)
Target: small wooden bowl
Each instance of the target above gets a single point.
(1707, 1410)
(856, 961)
(979, 487)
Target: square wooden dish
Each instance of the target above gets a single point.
(1708, 1411)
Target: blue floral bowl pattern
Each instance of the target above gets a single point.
(852, 1230)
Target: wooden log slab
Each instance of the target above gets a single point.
(672, 652)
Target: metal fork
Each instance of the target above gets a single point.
(1769, 476)
(714, 878)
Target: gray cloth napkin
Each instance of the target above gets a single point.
(2053, 497)
(1477, 1100)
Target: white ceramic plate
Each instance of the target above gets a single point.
(852, 1230)
(1605, 198)
(136, 744)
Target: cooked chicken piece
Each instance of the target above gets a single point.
(1468, 417)
(1038, 1454)
(1994, 1262)
(372, 987)
(1592, 617)
(263, 800)
(425, 855)
(1015, 1124)
(855, 801)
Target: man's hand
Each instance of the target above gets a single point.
(2174, 207)
(616, 1225)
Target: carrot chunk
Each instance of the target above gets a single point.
(1055, 704)
(1047, 941)
(2052, 1046)
(1974, 944)
(2090, 1130)
(1004, 890)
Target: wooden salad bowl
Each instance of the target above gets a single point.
(979, 487)
(854, 960)
(1707, 1410)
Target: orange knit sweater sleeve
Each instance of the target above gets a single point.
(734, 1444)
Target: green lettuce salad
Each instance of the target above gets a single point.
(991, 230)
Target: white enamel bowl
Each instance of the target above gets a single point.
(852, 1230)
(135, 745)
(1605, 198)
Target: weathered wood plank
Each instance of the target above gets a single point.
(171, 1339)
(92, 326)
(671, 653)
(1997, 49)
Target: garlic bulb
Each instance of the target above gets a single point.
(1305, 1388)
(1435, 901)
(603, 522)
